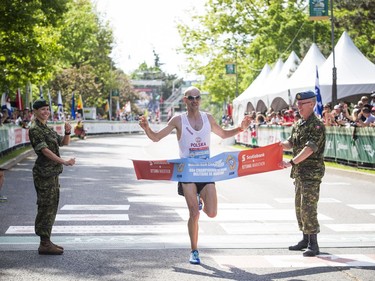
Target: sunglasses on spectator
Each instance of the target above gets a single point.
(191, 98)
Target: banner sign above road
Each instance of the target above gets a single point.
(230, 69)
(318, 9)
(224, 166)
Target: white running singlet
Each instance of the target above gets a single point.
(195, 144)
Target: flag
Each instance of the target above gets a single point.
(19, 104)
(319, 105)
(118, 112)
(5, 103)
(73, 112)
(229, 109)
(60, 110)
(29, 97)
(3, 99)
(41, 92)
(50, 104)
(79, 103)
(128, 107)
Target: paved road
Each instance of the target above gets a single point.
(114, 227)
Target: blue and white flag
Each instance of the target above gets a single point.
(73, 111)
(50, 105)
(41, 92)
(319, 105)
(60, 110)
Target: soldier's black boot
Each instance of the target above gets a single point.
(313, 247)
(301, 244)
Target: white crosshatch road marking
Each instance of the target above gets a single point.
(336, 183)
(295, 261)
(92, 217)
(182, 202)
(95, 208)
(358, 227)
(362, 206)
(243, 206)
(103, 229)
(259, 228)
(321, 200)
(179, 240)
(250, 215)
(156, 199)
(180, 199)
(242, 226)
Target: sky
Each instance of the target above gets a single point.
(141, 26)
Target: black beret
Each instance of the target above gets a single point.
(305, 95)
(40, 103)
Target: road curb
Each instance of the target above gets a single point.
(12, 162)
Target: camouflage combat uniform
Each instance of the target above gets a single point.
(308, 174)
(46, 176)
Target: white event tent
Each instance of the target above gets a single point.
(355, 73)
(277, 93)
(304, 77)
(261, 100)
(245, 102)
(355, 76)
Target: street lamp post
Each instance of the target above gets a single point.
(334, 70)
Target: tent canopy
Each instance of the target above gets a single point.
(355, 73)
(355, 76)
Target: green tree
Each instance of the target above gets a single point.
(252, 33)
(87, 40)
(80, 81)
(29, 39)
(358, 19)
(87, 66)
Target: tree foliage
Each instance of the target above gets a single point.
(62, 45)
(358, 19)
(85, 62)
(29, 40)
(252, 33)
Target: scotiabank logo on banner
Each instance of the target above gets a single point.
(259, 160)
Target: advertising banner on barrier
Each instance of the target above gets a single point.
(224, 166)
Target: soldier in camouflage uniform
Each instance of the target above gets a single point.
(307, 142)
(47, 168)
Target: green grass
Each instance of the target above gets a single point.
(327, 164)
(13, 154)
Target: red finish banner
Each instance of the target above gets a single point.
(226, 165)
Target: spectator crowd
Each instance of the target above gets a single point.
(360, 114)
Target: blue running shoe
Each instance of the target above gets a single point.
(200, 205)
(194, 257)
